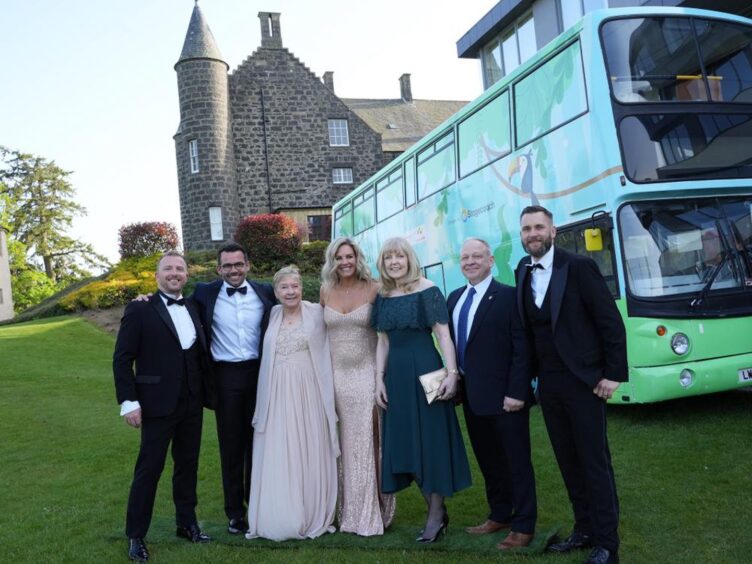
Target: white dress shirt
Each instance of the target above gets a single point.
(480, 290)
(542, 277)
(236, 325)
(183, 323)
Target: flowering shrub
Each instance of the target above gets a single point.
(272, 240)
(147, 238)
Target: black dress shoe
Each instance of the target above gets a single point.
(137, 550)
(237, 526)
(600, 555)
(572, 542)
(192, 533)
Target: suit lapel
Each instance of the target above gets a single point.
(558, 284)
(261, 296)
(196, 323)
(521, 273)
(483, 307)
(158, 304)
(212, 300)
(451, 304)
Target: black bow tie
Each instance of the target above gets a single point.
(243, 290)
(532, 266)
(171, 301)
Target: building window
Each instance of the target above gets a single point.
(342, 176)
(338, 134)
(319, 227)
(215, 223)
(193, 154)
(506, 52)
(572, 10)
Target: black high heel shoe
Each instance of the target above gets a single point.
(442, 529)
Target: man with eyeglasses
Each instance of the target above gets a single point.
(234, 312)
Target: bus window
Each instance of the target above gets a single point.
(409, 182)
(364, 213)
(727, 54)
(550, 96)
(343, 221)
(485, 136)
(389, 195)
(656, 60)
(435, 273)
(436, 166)
(572, 238)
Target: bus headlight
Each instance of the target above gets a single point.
(686, 378)
(680, 343)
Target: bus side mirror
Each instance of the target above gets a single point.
(593, 240)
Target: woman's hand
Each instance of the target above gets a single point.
(448, 387)
(381, 399)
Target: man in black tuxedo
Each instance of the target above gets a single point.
(492, 353)
(579, 341)
(164, 397)
(235, 312)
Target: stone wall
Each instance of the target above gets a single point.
(6, 297)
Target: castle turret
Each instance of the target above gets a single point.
(209, 208)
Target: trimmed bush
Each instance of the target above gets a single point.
(312, 257)
(147, 238)
(273, 240)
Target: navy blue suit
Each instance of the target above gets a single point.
(236, 384)
(497, 365)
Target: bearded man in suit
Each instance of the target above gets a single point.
(579, 343)
(164, 396)
(235, 313)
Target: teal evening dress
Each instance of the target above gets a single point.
(419, 440)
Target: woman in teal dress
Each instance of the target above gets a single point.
(421, 442)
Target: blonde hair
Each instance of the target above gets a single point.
(329, 275)
(285, 272)
(398, 244)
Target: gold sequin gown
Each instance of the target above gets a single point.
(361, 508)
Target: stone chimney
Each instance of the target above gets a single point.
(405, 90)
(329, 80)
(271, 35)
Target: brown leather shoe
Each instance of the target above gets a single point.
(487, 528)
(515, 540)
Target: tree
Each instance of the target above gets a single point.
(147, 238)
(37, 206)
(272, 239)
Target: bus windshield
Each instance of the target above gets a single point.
(692, 247)
(678, 59)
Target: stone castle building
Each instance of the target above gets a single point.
(273, 137)
(6, 298)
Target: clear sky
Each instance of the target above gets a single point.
(90, 83)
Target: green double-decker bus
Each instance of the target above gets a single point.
(634, 127)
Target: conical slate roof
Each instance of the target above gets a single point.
(199, 41)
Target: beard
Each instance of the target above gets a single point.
(545, 245)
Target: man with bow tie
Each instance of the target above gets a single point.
(492, 356)
(579, 343)
(235, 312)
(164, 396)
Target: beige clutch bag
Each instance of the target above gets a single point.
(431, 382)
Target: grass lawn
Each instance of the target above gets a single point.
(66, 460)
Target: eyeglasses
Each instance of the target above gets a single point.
(233, 266)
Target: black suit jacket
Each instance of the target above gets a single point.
(496, 353)
(148, 339)
(588, 330)
(205, 295)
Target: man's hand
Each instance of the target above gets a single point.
(133, 418)
(142, 298)
(605, 388)
(511, 404)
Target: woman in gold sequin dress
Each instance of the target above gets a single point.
(347, 292)
(295, 445)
